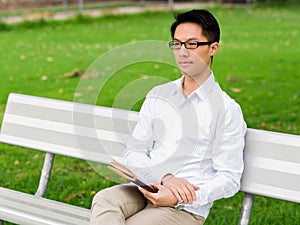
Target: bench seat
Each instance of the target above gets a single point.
(22, 208)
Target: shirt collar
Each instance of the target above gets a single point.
(203, 90)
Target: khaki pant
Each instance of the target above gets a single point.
(125, 205)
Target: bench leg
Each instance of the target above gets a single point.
(246, 209)
(1, 222)
(45, 175)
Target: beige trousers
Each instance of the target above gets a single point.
(125, 205)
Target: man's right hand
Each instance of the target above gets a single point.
(181, 188)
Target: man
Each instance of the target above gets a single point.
(188, 142)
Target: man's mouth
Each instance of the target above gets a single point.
(185, 63)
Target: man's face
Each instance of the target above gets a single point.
(193, 62)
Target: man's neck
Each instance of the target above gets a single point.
(191, 83)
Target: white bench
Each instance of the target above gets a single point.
(95, 133)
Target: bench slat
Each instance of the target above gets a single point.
(59, 149)
(23, 208)
(14, 123)
(34, 101)
(117, 120)
(94, 140)
(272, 192)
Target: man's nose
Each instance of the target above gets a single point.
(183, 51)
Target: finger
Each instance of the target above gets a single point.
(148, 195)
(144, 192)
(181, 193)
(196, 188)
(176, 193)
(191, 193)
(186, 195)
(156, 185)
(192, 190)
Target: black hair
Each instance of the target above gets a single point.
(208, 23)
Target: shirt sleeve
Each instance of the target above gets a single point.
(227, 160)
(137, 153)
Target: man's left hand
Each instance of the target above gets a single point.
(164, 196)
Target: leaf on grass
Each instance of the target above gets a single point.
(75, 73)
(16, 162)
(22, 57)
(44, 78)
(277, 126)
(69, 197)
(49, 59)
(234, 79)
(236, 90)
(263, 125)
(271, 126)
(77, 94)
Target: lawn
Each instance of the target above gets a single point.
(257, 65)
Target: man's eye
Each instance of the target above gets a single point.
(192, 44)
(176, 44)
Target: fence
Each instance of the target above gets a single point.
(25, 4)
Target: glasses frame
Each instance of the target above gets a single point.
(199, 43)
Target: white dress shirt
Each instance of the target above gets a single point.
(199, 138)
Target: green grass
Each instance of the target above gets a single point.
(61, 8)
(257, 65)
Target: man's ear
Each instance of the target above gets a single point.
(214, 47)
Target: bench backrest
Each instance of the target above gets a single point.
(95, 133)
(272, 165)
(81, 131)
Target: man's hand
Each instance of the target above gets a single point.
(181, 188)
(164, 196)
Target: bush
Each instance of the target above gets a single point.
(4, 27)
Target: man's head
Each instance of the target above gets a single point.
(208, 23)
(196, 36)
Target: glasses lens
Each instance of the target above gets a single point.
(174, 45)
(191, 44)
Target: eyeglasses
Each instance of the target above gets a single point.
(176, 45)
